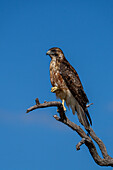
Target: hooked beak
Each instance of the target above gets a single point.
(48, 52)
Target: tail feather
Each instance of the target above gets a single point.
(82, 116)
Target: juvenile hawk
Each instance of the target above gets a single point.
(67, 86)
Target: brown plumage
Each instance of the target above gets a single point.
(67, 85)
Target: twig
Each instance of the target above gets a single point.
(88, 105)
(80, 143)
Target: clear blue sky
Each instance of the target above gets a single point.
(84, 31)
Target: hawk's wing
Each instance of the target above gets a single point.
(73, 82)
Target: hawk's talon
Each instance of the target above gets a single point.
(58, 110)
(54, 89)
(64, 109)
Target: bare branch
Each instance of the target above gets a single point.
(37, 101)
(88, 105)
(106, 160)
(80, 143)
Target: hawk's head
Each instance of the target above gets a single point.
(55, 53)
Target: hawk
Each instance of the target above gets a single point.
(67, 86)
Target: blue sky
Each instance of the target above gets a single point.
(84, 31)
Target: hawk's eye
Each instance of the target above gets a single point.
(53, 51)
(56, 54)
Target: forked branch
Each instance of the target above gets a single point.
(87, 140)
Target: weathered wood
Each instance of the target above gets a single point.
(106, 160)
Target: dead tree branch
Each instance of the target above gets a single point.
(87, 140)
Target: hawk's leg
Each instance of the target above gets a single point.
(54, 89)
(63, 105)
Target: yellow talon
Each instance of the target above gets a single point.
(63, 105)
(54, 89)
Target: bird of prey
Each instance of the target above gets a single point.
(67, 86)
